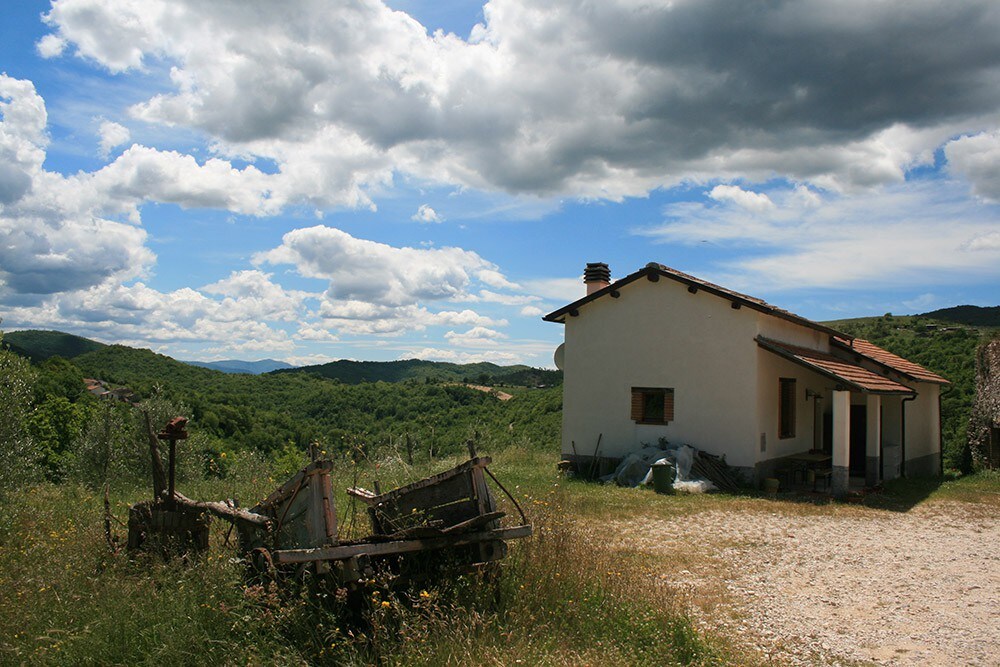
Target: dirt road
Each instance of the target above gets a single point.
(920, 587)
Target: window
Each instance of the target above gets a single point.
(786, 407)
(652, 406)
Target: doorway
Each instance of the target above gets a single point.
(859, 439)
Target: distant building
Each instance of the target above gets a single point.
(662, 354)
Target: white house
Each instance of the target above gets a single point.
(662, 354)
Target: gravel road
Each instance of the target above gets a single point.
(860, 586)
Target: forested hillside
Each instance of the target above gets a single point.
(280, 413)
(42, 345)
(354, 372)
(941, 346)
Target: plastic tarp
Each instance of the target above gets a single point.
(637, 469)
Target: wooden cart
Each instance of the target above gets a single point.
(453, 514)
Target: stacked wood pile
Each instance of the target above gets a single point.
(716, 470)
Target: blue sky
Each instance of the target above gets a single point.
(311, 181)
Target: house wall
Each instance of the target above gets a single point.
(660, 335)
(891, 436)
(794, 334)
(923, 432)
(808, 418)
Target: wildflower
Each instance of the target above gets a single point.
(385, 604)
(425, 595)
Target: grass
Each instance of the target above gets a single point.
(570, 595)
(557, 599)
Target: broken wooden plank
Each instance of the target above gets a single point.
(475, 522)
(479, 462)
(345, 551)
(224, 511)
(289, 487)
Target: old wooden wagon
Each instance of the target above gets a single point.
(453, 513)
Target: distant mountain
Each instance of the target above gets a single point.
(356, 372)
(238, 366)
(976, 316)
(41, 345)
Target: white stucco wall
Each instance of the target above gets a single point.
(660, 335)
(923, 431)
(771, 367)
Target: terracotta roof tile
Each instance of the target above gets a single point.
(884, 357)
(831, 366)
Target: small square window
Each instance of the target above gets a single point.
(652, 405)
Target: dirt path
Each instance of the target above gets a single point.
(914, 588)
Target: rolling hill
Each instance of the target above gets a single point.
(42, 345)
(238, 366)
(356, 372)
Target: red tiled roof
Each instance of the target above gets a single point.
(844, 371)
(888, 359)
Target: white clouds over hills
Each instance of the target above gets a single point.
(803, 121)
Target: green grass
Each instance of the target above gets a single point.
(567, 596)
(560, 600)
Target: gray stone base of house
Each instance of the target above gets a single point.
(871, 471)
(840, 481)
(924, 466)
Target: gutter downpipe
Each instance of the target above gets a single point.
(902, 435)
(940, 439)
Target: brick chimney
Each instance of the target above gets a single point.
(596, 276)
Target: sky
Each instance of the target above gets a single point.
(310, 180)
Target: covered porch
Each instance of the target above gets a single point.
(858, 421)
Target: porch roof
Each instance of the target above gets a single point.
(846, 372)
(887, 359)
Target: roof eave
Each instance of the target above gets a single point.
(560, 314)
(781, 352)
(941, 381)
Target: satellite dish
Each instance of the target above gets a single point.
(560, 356)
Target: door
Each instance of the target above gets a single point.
(859, 438)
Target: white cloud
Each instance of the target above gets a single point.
(308, 359)
(922, 303)
(112, 136)
(140, 313)
(489, 296)
(456, 357)
(50, 46)
(987, 242)
(563, 290)
(376, 273)
(977, 158)
(476, 337)
(532, 311)
(316, 334)
(426, 214)
(547, 99)
(921, 232)
(754, 202)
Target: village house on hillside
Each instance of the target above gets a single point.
(662, 354)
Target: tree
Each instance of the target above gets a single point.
(17, 450)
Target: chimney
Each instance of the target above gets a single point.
(596, 276)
